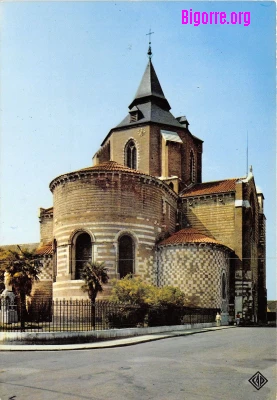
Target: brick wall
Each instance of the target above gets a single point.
(207, 214)
(106, 205)
(140, 135)
(148, 140)
(174, 158)
(46, 226)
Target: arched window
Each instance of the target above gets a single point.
(171, 185)
(83, 252)
(126, 256)
(192, 166)
(131, 155)
(223, 287)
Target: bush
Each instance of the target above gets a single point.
(166, 296)
(130, 290)
(127, 317)
(39, 312)
(157, 306)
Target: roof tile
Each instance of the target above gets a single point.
(226, 185)
(188, 235)
(45, 250)
(111, 166)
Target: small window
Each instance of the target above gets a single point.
(192, 167)
(134, 117)
(131, 155)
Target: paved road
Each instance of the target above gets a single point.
(212, 365)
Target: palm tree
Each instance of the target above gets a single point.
(94, 275)
(23, 268)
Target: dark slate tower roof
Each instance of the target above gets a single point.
(150, 103)
(150, 89)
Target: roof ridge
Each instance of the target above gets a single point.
(189, 235)
(211, 187)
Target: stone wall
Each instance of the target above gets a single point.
(42, 289)
(197, 270)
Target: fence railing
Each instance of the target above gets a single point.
(83, 315)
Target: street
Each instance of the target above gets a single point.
(212, 365)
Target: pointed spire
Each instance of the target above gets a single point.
(150, 89)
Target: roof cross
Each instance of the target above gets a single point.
(149, 48)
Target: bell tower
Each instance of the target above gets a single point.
(151, 140)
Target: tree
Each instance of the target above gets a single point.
(134, 290)
(23, 268)
(131, 289)
(94, 275)
(155, 304)
(167, 296)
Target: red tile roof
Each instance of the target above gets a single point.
(227, 185)
(188, 235)
(45, 250)
(111, 166)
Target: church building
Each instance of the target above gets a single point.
(142, 208)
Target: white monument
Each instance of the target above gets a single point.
(8, 310)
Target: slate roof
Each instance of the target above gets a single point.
(151, 112)
(188, 235)
(150, 87)
(224, 186)
(151, 104)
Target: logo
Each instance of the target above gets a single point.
(258, 380)
(141, 132)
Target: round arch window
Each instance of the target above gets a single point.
(126, 256)
(82, 253)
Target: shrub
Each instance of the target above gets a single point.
(133, 290)
(127, 317)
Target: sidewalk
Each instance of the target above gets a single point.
(110, 343)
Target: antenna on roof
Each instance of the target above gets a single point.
(247, 154)
(149, 48)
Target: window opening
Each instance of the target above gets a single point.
(83, 253)
(131, 155)
(126, 256)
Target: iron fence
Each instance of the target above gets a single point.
(83, 315)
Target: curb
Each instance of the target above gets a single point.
(110, 343)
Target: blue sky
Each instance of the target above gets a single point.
(69, 70)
